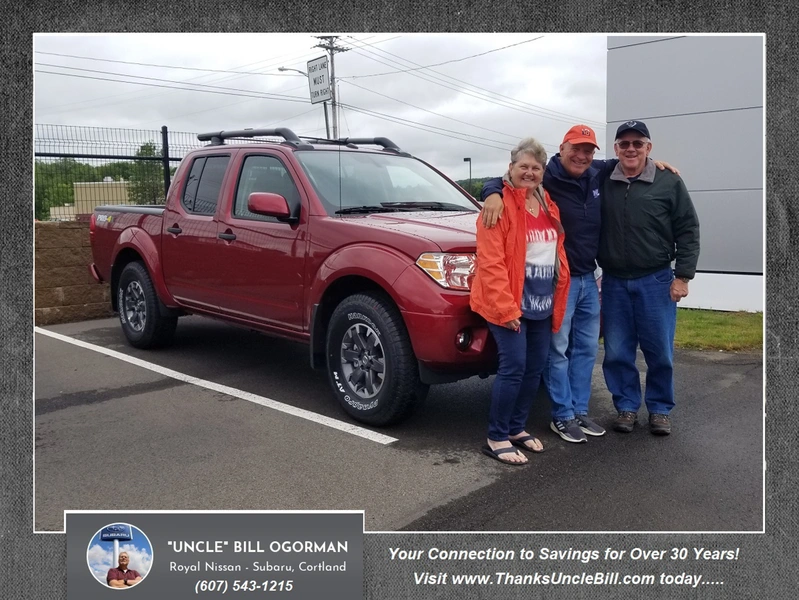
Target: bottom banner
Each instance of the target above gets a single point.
(298, 555)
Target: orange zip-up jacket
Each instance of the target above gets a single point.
(496, 291)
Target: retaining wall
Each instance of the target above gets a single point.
(64, 291)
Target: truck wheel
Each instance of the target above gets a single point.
(370, 362)
(139, 314)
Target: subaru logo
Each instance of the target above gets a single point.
(116, 531)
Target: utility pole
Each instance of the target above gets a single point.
(331, 47)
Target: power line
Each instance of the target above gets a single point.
(202, 85)
(478, 95)
(514, 136)
(233, 71)
(261, 73)
(125, 62)
(459, 81)
(251, 94)
(446, 62)
(267, 64)
(429, 128)
(364, 42)
(248, 94)
(191, 114)
(168, 87)
(257, 95)
(233, 92)
(503, 100)
(104, 103)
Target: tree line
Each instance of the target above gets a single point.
(474, 187)
(54, 179)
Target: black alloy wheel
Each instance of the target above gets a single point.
(371, 366)
(139, 312)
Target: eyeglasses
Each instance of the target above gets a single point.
(637, 144)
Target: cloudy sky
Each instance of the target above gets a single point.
(441, 97)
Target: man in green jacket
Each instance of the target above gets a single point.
(648, 221)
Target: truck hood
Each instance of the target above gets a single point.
(451, 231)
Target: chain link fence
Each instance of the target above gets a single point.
(78, 168)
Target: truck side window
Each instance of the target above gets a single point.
(210, 185)
(264, 174)
(193, 180)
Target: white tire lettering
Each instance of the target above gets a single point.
(356, 315)
(121, 305)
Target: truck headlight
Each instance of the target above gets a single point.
(452, 271)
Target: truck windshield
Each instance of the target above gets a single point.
(354, 182)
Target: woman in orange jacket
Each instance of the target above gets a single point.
(520, 287)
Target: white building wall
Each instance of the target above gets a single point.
(702, 98)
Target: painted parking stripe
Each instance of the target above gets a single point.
(224, 389)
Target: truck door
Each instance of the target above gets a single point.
(188, 241)
(263, 258)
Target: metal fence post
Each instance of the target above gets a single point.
(78, 168)
(165, 158)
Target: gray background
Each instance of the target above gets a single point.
(767, 567)
(702, 100)
(264, 528)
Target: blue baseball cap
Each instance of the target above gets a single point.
(638, 126)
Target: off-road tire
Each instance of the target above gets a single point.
(370, 362)
(139, 313)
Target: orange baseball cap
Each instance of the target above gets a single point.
(581, 134)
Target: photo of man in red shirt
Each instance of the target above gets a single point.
(122, 576)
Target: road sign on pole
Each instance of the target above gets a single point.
(319, 80)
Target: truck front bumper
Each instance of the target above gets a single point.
(451, 347)
(449, 340)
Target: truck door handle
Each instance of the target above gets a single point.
(227, 236)
(176, 230)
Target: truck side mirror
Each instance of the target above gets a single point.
(269, 204)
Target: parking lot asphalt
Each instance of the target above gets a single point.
(111, 435)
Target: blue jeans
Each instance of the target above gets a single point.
(639, 312)
(572, 353)
(522, 356)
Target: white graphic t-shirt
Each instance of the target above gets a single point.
(539, 269)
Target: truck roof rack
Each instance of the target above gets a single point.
(386, 143)
(318, 140)
(217, 138)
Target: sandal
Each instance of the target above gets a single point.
(497, 455)
(520, 443)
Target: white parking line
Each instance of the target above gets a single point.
(224, 389)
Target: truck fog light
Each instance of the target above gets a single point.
(463, 339)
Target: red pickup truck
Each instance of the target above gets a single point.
(366, 254)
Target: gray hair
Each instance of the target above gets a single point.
(529, 146)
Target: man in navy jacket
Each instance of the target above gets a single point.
(574, 185)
